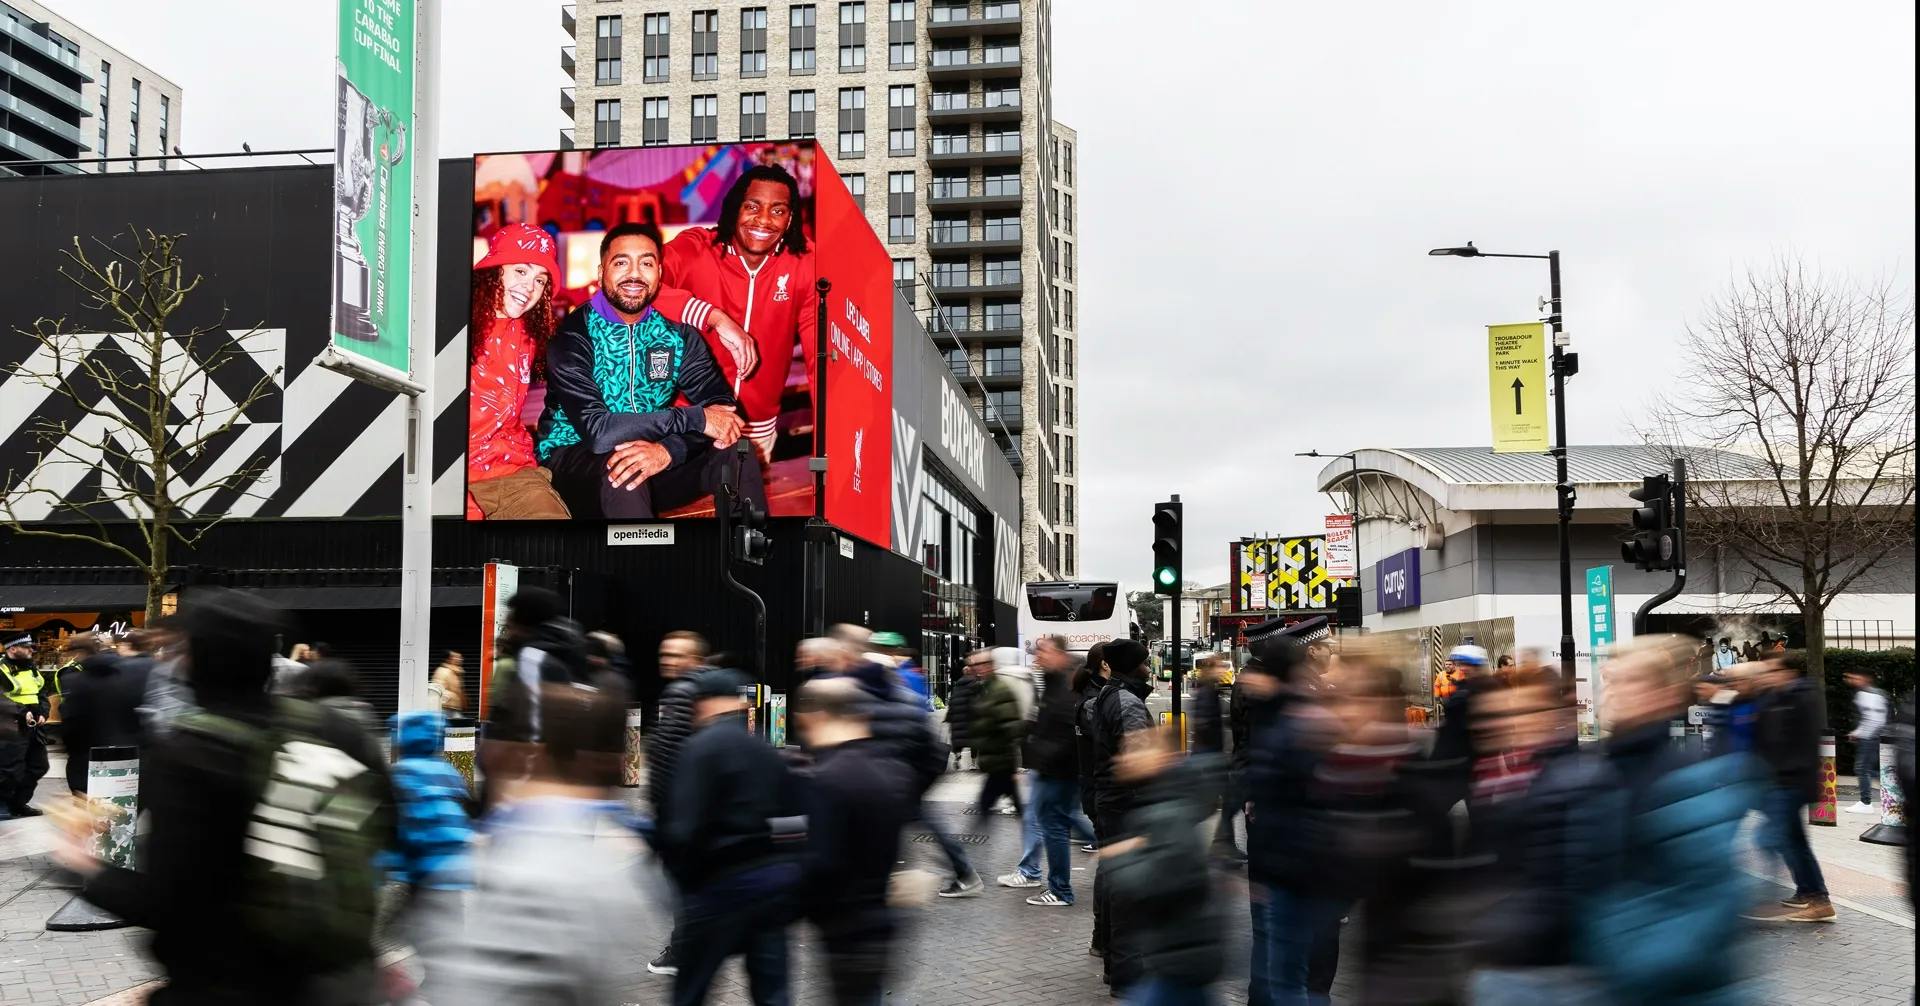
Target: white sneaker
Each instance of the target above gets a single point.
(1863, 808)
(1016, 880)
(1047, 899)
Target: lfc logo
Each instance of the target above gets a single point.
(780, 288)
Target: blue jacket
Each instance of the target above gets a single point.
(433, 836)
(1667, 891)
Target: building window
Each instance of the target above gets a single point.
(1003, 269)
(1002, 182)
(948, 99)
(950, 185)
(1001, 228)
(1066, 210)
(1067, 563)
(1003, 407)
(133, 126)
(799, 114)
(857, 188)
(1000, 140)
(653, 121)
(1001, 361)
(706, 44)
(952, 140)
(753, 41)
(950, 53)
(753, 115)
(1000, 50)
(956, 317)
(1001, 316)
(1069, 409)
(656, 63)
(951, 274)
(606, 50)
(1066, 455)
(606, 123)
(853, 36)
(1066, 359)
(947, 230)
(1001, 97)
(1001, 9)
(958, 364)
(706, 118)
(1069, 490)
(800, 29)
(904, 276)
(166, 116)
(1069, 308)
(900, 200)
(106, 92)
(1066, 259)
(949, 10)
(900, 34)
(853, 122)
(900, 115)
(1066, 162)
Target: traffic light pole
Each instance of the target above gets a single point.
(1173, 654)
(1563, 486)
(1679, 490)
(727, 509)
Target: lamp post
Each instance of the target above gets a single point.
(1353, 507)
(1565, 365)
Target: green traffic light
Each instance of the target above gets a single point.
(1165, 575)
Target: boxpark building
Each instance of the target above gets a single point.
(316, 532)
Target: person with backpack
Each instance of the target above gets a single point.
(263, 816)
(432, 851)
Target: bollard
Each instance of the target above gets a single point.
(1892, 829)
(630, 755)
(458, 746)
(1826, 810)
(113, 779)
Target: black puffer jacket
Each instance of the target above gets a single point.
(101, 708)
(960, 713)
(1164, 885)
(1787, 738)
(1118, 710)
(900, 725)
(671, 726)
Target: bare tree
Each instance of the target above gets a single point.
(1813, 378)
(133, 406)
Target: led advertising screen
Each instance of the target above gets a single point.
(636, 312)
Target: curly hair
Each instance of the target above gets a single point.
(487, 289)
(795, 239)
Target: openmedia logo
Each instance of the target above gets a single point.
(640, 534)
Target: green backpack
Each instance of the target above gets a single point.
(309, 882)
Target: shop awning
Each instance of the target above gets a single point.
(336, 598)
(72, 597)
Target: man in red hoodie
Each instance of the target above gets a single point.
(754, 266)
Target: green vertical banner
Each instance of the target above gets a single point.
(373, 191)
(1599, 611)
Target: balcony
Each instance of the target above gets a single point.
(956, 22)
(566, 61)
(997, 64)
(960, 114)
(1000, 284)
(969, 151)
(973, 242)
(567, 23)
(979, 330)
(566, 139)
(962, 199)
(566, 101)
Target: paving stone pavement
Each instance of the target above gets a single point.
(990, 949)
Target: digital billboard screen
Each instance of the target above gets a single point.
(635, 312)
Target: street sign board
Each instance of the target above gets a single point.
(1341, 564)
(374, 133)
(1599, 611)
(1397, 580)
(1517, 387)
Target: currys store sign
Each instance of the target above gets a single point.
(1397, 580)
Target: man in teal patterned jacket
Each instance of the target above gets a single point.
(616, 443)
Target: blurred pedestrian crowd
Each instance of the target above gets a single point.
(293, 848)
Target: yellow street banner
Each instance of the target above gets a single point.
(1517, 387)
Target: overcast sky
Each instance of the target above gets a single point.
(1260, 183)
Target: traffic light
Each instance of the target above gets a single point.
(1656, 542)
(1166, 547)
(750, 541)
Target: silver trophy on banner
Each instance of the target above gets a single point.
(362, 183)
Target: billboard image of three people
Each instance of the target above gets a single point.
(636, 312)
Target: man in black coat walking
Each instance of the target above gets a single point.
(1119, 709)
(1787, 738)
(101, 704)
